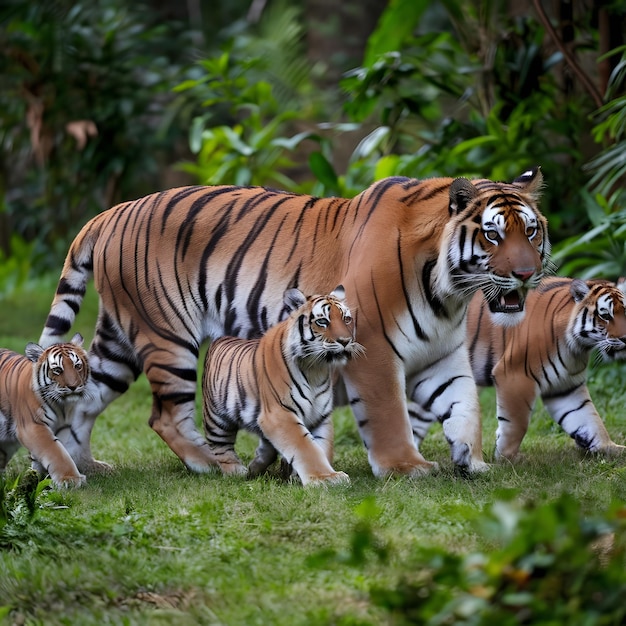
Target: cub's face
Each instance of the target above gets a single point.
(60, 372)
(599, 318)
(501, 243)
(326, 329)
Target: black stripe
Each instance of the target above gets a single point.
(173, 201)
(183, 373)
(564, 393)
(59, 325)
(439, 391)
(115, 384)
(66, 288)
(568, 413)
(176, 398)
(435, 303)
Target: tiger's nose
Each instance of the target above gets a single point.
(523, 273)
(344, 341)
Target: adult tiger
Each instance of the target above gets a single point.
(280, 387)
(175, 267)
(546, 354)
(37, 392)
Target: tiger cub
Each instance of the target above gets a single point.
(35, 391)
(280, 387)
(546, 354)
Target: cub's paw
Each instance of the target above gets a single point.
(233, 469)
(324, 480)
(427, 467)
(96, 467)
(69, 482)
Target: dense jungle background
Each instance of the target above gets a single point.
(104, 101)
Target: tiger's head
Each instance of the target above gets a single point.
(324, 326)
(60, 372)
(501, 241)
(598, 319)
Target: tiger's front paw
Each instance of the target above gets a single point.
(335, 478)
(611, 449)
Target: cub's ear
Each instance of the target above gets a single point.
(77, 339)
(462, 192)
(338, 292)
(293, 299)
(579, 289)
(33, 351)
(531, 182)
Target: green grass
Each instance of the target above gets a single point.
(154, 544)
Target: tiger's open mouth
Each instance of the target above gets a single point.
(510, 302)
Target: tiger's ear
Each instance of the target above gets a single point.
(531, 181)
(579, 289)
(293, 299)
(33, 351)
(338, 292)
(462, 192)
(77, 340)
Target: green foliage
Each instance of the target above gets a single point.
(442, 112)
(253, 95)
(18, 506)
(609, 167)
(251, 150)
(601, 251)
(15, 267)
(83, 93)
(550, 565)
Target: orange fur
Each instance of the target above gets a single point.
(176, 267)
(547, 355)
(35, 391)
(280, 387)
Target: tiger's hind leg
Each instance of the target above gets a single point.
(576, 414)
(171, 371)
(173, 419)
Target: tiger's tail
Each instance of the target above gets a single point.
(72, 286)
